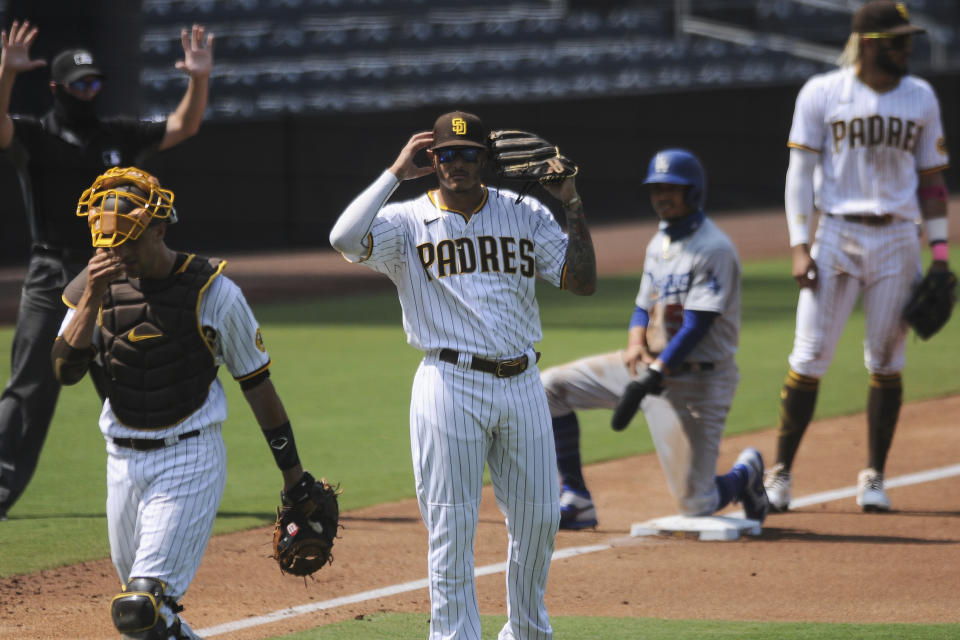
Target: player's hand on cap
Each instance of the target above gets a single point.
(16, 48)
(197, 51)
(649, 382)
(805, 270)
(404, 166)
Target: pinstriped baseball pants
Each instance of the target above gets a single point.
(460, 420)
(882, 263)
(161, 506)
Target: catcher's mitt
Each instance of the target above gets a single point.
(931, 303)
(307, 523)
(523, 155)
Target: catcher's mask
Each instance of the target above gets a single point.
(679, 166)
(122, 203)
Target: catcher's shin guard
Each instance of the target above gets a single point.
(137, 613)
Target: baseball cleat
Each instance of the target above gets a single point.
(871, 496)
(777, 484)
(756, 505)
(576, 509)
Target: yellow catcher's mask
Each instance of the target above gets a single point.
(123, 202)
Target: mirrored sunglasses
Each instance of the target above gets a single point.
(468, 154)
(86, 85)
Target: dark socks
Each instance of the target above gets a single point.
(883, 411)
(797, 401)
(566, 434)
(731, 484)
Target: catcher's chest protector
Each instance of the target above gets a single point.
(159, 366)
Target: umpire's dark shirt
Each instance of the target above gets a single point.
(54, 166)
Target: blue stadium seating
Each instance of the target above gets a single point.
(276, 57)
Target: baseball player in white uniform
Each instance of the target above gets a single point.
(680, 356)
(153, 325)
(867, 150)
(465, 258)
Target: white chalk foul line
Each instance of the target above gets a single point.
(560, 554)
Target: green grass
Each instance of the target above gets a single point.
(344, 372)
(413, 626)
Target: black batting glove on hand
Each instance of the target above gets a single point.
(650, 381)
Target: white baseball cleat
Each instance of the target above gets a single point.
(871, 496)
(576, 509)
(777, 483)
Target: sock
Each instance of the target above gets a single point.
(797, 401)
(883, 409)
(731, 484)
(566, 435)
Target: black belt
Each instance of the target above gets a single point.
(69, 255)
(149, 444)
(499, 368)
(693, 367)
(873, 221)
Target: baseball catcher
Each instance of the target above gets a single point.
(159, 323)
(522, 155)
(931, 303)
(307, 523)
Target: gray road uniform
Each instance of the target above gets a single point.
(698, 272)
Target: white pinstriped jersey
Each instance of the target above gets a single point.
(871, 145)
(469, 285)
(700, 272)
(237, 345)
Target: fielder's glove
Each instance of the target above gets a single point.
(523, 155)
(931, 303)
(307, 523)
(650, 381)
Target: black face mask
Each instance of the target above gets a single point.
(73, 112)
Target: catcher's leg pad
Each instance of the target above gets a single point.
(136, 611)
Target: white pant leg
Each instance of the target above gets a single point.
(523, 470)
(123, 504)
(174, 492)
(449, 410)
(823, 312)
(893, 268)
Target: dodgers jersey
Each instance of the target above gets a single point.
(237, 344)
(871, 145)
(699, 272)
(470, 284)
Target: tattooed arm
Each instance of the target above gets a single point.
(581, 260)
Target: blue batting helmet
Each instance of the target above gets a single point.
(679, 166)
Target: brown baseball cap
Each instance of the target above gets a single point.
(459, 129)
(883, 17)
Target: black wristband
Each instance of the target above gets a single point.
(283, 446)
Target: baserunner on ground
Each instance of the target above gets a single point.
(678, 366)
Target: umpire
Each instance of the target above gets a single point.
(56, 156)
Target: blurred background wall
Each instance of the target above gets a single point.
(311, 99)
